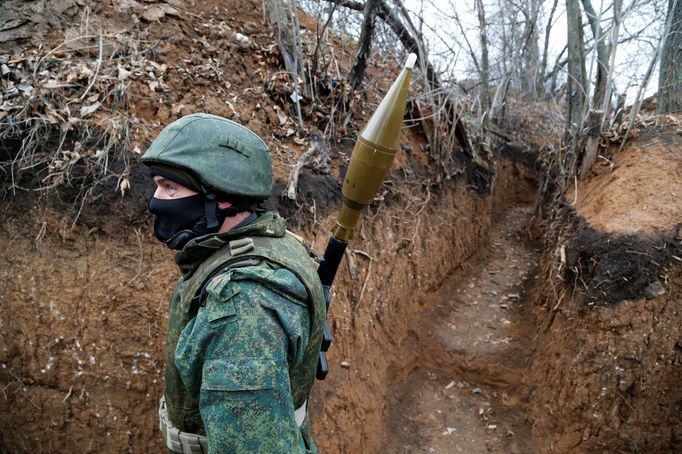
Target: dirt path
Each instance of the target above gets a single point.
(460, 391)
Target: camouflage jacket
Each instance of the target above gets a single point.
(242, 360)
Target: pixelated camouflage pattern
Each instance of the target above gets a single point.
(224, 155)
(238, 368)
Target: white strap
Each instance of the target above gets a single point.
(187, 443)
(300, 413)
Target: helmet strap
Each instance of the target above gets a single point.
(210, 209)
(235, 209)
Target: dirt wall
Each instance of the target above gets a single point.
(608, 359)
(413, 253)
(84, 318)
(606, 378)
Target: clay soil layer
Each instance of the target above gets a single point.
(455, 329)
(446, 339)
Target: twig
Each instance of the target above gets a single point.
(35, 71)
(364, 284)
(364, 254)
(303, 160)
(351, 264)
(321, 35)
(68, 394)
(99, 64)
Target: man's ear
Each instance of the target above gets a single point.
(224, 205)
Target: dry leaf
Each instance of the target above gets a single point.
(68, 125)
(153, 13)
(159, 67)
(281, 116)
(87, 110)
(124, 186)
(170, 10)
(123, 74)
(80, 72)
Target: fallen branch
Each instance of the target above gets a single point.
(317, 146)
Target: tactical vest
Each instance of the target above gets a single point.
(286, 252)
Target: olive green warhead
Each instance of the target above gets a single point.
(373, 154)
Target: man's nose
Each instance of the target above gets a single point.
(158, 193)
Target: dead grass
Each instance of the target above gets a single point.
(63, 112)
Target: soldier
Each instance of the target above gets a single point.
(246, 318)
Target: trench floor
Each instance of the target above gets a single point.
(462, 390)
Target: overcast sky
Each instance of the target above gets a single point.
(632, 58)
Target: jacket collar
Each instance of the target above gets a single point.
(196, 251)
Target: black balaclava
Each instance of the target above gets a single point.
(180, 220)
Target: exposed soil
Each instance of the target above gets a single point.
(456, 330)
(461, 390)
(605, 373)
(648, 173)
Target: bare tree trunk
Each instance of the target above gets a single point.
(286, 28)
(670, 72)
(577, 77)
(634, 110)
(613, 46)
(598, 118)
(531, 53)
(558, 64)
(543, 66)
(357, 72)
(485, 65)
(592, 144)
(502, 86)
(518, 54)
(602, 54)
(283, 25)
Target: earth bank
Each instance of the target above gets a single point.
(592, 359)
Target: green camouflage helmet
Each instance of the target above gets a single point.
(227, 157)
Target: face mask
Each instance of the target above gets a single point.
(178, 220)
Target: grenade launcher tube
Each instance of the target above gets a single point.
(373, 154)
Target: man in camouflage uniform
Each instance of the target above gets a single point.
(246, 318)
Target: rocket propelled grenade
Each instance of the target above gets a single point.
(373, 154)
(371, 160)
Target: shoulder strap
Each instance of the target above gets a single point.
(226, 266)
(243, 252)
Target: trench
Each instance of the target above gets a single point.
(408, 337)
(439, 366)
(461, 389)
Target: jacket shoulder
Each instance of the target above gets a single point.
(250, 279)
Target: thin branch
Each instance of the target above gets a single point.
(99, 64)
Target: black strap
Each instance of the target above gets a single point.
(210, 207)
